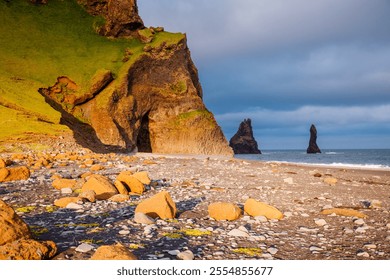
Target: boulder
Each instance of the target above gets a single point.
(15, 239)
(143, 177)
(113, 252)
(2, 163)
(64, 183)
(119, 198)
(122, 189)
(256, 208)
(160, 205)
(243, 142)
(64, 201)
(313, 147)
(28, 249)
(12, 226)
(131, 182)
(344, 212)
(89, 195)
(101, 186)
(224, 211)
(14, 174)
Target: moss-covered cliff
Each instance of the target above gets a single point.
(135, 87)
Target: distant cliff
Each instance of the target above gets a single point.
(243, 141)
(313, 147)
(140, 92)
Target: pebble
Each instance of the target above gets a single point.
(315, 249)
(66, 191)
(320, 222)
(174, 252)
(370, 246)
(261, 219)
(363, 254)
(124, 232)
(388, 225)
(359, 222)
(238, 233)
(186, 255)
(272, 250)
(84, 248)
(360, 230)
(75, 206)
(141, 218)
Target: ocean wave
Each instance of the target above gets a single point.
(333, 153)
(339, 164)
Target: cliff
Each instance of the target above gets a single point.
(243, 142)
(313, 147)
(134, 88)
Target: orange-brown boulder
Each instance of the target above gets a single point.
(64, 183)
(12, 226)
(64, 201)
(14, 174)
(28, 249)
(119, 198)
(132, 182)
(101, 186)
(113, 252)
(89, 195)
(121, 187)
(143, 177)
(344, 212)
(224, 211)
(256, 208)
(160, 205)
(2, 163)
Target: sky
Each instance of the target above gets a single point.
(287, 64)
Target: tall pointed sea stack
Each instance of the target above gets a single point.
(243, 141)
(313, 147)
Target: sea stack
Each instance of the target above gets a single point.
(313, 147)
(243, 141)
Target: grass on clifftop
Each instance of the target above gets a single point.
(42, 42)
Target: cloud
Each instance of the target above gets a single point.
(222, 27)
(287, 64)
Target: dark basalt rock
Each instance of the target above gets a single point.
(243, 141)
(313, 147)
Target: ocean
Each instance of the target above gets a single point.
(367, 159)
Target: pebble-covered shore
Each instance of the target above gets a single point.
(299, 192)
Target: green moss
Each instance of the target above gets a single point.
(248, 251)
(25, 209)
(136, 246)
(51, 208)
(173, 235)
(38, 230)
(42, 42)
(92, 241)
(196, 232)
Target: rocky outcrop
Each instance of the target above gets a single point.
(313, 147)
(243, 141)
(154, 105)
(121, 16)
(15, 239)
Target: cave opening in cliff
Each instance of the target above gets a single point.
(143, 139)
